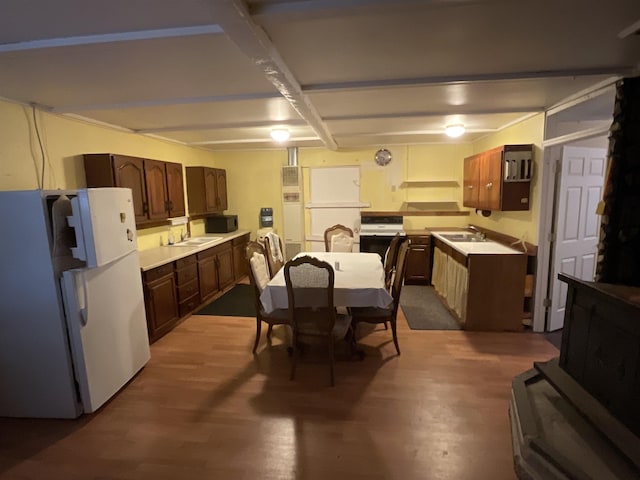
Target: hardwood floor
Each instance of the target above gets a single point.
(204, 407)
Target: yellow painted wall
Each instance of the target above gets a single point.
(517, 224)
(65, 141)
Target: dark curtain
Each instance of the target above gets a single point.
(619, 247)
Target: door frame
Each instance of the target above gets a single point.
(548, 186)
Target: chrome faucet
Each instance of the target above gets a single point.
(478, 233)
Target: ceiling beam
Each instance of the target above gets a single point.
(110, 38)
(463, 79)
(225, 126)
(451, 111)
(235, 19)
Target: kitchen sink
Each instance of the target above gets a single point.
(463, 237)
(196, 242)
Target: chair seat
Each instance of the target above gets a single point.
(280, 314)
(371, 312)
(340, 328)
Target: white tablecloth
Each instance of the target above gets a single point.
(359, 282)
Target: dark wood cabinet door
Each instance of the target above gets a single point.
(175, 189)
(225, 267)
(418, 269)
(221, 189)
(210, 196)
(208, 277)
(156, 181)
(239, 262)
(491, 180)
(471, 181)
(162, 306)
(129, 173)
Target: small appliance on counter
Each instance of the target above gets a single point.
(221, 224)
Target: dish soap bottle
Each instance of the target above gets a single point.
(170, 240)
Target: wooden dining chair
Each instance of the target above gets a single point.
(275, 256)
(312, 315)
(338, 238)
(258, 277)
(390, 260)
(389, 314)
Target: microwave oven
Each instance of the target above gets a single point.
(221, 224)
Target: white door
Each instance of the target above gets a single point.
(577, 224)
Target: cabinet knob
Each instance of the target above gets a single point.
(489, 185)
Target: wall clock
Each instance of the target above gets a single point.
(382, 157)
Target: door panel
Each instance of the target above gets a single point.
(129, 173)
(156, 181)
(577, 224)
(175, 189)
(210, 185)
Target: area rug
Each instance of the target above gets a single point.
(424, 310)
(555, 338)
(237, 302)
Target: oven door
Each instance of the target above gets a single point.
(375, 244)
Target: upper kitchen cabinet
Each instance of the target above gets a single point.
(499, 179)
(206, 190)
(156, 186)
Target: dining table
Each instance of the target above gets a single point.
(358, 281)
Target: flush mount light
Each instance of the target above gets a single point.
(454, 131)
(280, 134)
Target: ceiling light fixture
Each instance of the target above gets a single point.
(454, 131)
(280, 134)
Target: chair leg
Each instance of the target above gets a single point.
(294, 355)
(269, 331)
(331, 360)
(395, 335)
(258, 328)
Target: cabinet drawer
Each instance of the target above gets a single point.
(225, 247)
(188, 289)
(159, 272)
(422, 240)
(183, 262)
(209, 252)
(187, 274)
(189, 305)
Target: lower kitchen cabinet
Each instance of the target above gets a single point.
(161, 300)
(176, 289)
(485, 291)
(239, 262)
(418, 268)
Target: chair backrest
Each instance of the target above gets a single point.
(337, 229)
(275, 258)
(398, 279)
(390, 259)
(258, 270)
(310, 283)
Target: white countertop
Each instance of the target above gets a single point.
(474, 248)
(156, 257)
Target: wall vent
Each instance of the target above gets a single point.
(290, 176)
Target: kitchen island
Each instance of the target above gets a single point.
(480, 280)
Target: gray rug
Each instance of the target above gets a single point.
(424, 310)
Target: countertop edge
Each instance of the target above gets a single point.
(459, 246)
(156, 257)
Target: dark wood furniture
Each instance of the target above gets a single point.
(418, 271)
(601, 345)
(495, 289)
(240, 268)
(156, 186)
(206, 190)
(274, 264)
(488, 186)
(277, 317)
(384, 315)
(312, 315)
(390, 260)
(161, 300)
(175, 290)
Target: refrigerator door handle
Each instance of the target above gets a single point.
(77, 299)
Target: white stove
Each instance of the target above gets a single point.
(376, 233)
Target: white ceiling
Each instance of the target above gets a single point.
(338, 73)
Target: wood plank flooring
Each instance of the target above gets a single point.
(206, 408)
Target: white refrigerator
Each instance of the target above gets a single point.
(72, 318)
